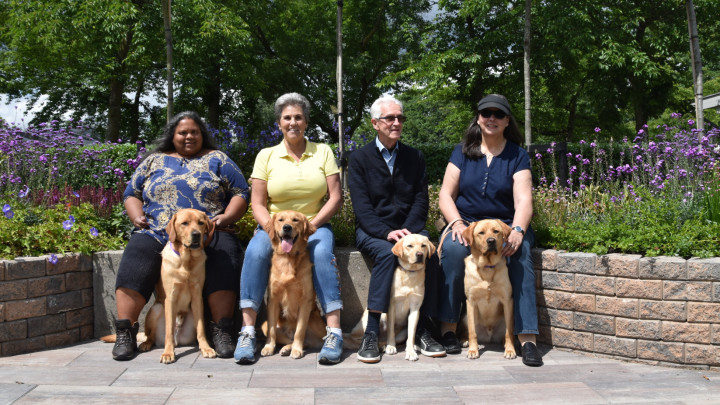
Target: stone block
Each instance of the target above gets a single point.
(629, 288)
(2, 311)
(575, 302)
(545, 298)
(686, 332)
(716, 334)
(625, 307)
(572, 339)
(69, 262)
(43, 286)
(65, 302)
(557, 318)
(79, 317)
(594, 323)
(63, 338)
(687, 290)
(616, 346)
(635, 328)
(581, 263)
(25, 267)
(557, 281)
(620, 265)
(666, 310)
(663, 268)
(700, 312)
(704, 269)
(87, 332)
(2, 270)
(14, 330)
(702, 354)
(78, 280)
(545, 259)
(661, 351)
(595, 284)
(105, 265)
(23, 309)
(13, 290)
(23, 346)
(45, 325)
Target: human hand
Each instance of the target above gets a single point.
(457, 229)
(397, 234)
(140, 221)
(513, 243)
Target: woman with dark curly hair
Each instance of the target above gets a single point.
(184, 170)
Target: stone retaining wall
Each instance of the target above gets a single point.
(44, 305)
(661, 310)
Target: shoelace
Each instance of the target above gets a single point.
(245, 340)
(331, 340)
(369, 344)
(123, 336)
(222, 335)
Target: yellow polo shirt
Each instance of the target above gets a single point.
(291, 185)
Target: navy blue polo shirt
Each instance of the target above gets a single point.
(487, 192)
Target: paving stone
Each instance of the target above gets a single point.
(73, 394)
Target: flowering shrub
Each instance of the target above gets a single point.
(648, 195)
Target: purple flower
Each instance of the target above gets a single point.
(24, 192)
(597, 129)
(72, 219)
(7, 208)
(538, 156)
(8, 212)
(94, 232)
(67, 225)
(53, 258)
(76, 194)
(691, 122)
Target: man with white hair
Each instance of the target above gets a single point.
(389, 193)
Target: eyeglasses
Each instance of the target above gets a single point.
(391, 118)
(497, 113)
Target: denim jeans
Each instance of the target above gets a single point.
(256, 269)
(451, 283)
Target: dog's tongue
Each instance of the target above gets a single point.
(287, 244)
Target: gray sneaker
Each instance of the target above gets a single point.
(245, 349)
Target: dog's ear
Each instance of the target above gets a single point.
(431, 248)
(398, 248)
(308, 229)
(170, 229)
(269, 227)
(210, 230)
(468, 234)
(505, 229)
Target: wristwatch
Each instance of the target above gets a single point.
(519, 229)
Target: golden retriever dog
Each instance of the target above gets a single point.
(292, 314)
(406, 297)
(487, 284)
(177, 315)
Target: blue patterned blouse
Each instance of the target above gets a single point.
(166, 184)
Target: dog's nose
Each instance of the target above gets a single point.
(419, 257)
(491, 241)
(195, 235)
(287, 228)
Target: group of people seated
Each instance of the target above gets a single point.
(487, 176)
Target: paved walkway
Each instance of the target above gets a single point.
(85, 373)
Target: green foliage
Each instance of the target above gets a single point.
(35, 231)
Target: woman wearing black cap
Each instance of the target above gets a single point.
(488, 176)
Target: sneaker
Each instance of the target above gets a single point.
(222, 337)
(451, 343)
(125, 340)
(332, 349)
(245, 349)
(425, 344)
(369, 351)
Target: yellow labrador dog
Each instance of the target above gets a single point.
(487, 284)
(406, 296)
(177, 315)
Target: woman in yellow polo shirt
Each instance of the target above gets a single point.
(296, 174)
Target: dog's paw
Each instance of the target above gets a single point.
(208, 353)
(390, 349)
(465, 343)
(296, 353)
(145, 346)
(268, 350)
(167, 358)
(473, 353)
(285, 350)
(411, 355)
(510, 354)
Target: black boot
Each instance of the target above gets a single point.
(222, 337)
(125, 340)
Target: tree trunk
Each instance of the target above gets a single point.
(696, 66)
(338, 78)
(526, 74)
(167, 14)
(213, 95)
(117, 88)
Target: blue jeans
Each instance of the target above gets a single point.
(522, 278)
(256, 269)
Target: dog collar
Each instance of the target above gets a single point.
(490, 267)
(173, 248)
